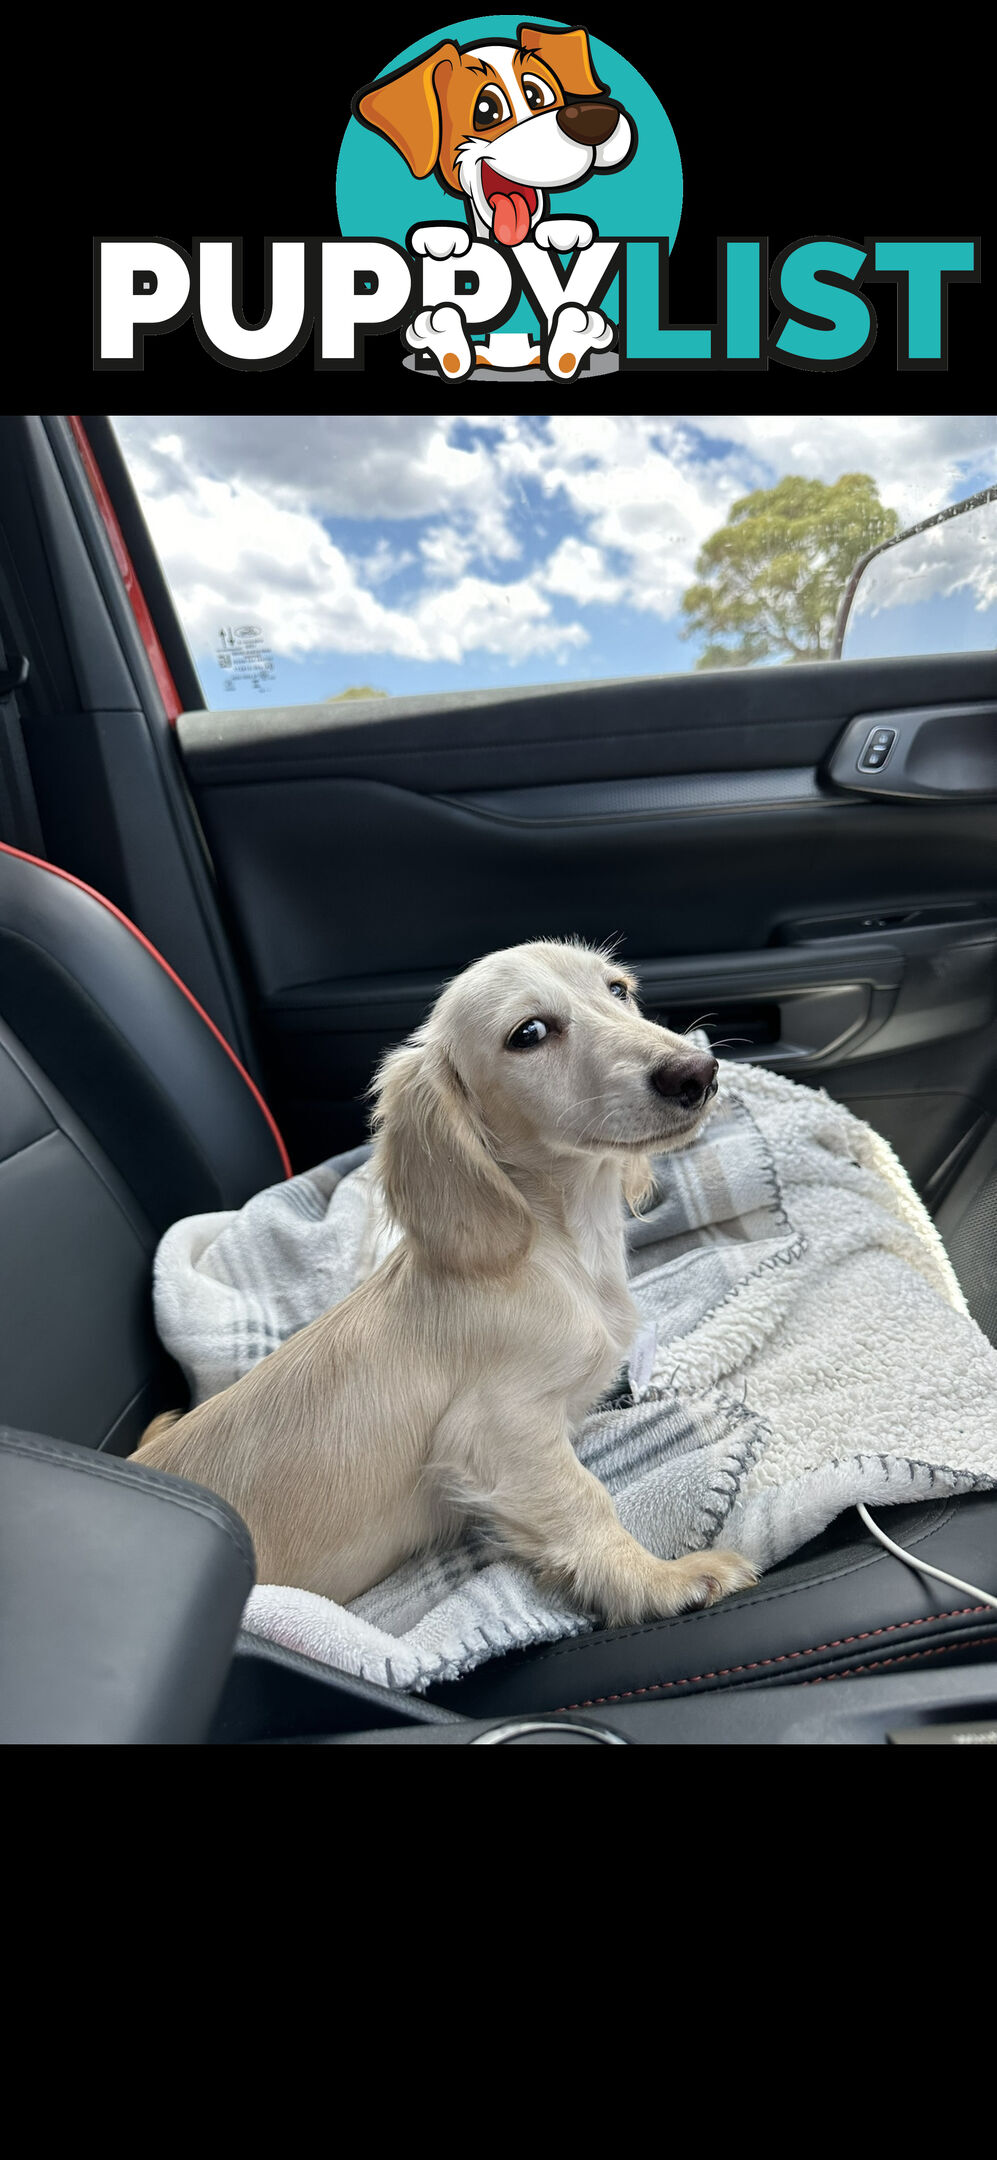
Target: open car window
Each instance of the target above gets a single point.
(317, 558)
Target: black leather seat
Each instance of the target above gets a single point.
(122, 1109)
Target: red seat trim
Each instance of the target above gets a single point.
(68, 879)
(136, 598)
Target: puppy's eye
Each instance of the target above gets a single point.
(537, 94)
(527, 1035)
(619, 990)
(492, 106)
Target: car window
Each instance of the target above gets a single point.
(328, 558)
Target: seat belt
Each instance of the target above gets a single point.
(20, 825)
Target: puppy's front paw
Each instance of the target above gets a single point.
(564, 234)
(442, 332)
(440, 241)
(575, 332)
(697, 1580)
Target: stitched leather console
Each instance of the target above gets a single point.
(842, 1606)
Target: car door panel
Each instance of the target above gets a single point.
(842, 935)
(736, 720)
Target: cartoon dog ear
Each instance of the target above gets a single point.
(440, 1180)
(406, 107)
(566, 53)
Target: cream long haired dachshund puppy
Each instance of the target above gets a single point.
(511, 1127)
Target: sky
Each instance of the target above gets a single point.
(424, 554)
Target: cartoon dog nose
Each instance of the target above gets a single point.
(590, 124)
(686, 1080)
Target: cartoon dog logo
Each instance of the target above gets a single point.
(503, 125)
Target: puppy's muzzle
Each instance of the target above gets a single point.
(591, 123)
(689, 1081)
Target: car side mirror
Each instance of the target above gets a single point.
(931, 589)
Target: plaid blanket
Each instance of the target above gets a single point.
(805, 1345)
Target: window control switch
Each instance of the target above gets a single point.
(876, 749)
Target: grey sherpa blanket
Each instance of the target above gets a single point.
(805, 1346)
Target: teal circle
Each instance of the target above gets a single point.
(378, 197)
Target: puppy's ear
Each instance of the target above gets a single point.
(638, 1182)
(566, 53)
(440, 1180)
(406, 107)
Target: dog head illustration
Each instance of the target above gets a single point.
(502, 123)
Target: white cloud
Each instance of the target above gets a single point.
(395, 466)
(581, 572)
(444, 551)
(382, 563)
(233, 553)
(477, 615)
(639, 491)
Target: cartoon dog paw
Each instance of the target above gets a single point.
(564, 234)
(576, 331)
(440, 241)
(442, 332)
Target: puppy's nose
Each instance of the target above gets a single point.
(686, 1080)
(592, 124)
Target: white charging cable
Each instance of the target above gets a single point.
(984, 1597)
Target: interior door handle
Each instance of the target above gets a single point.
(797, 1005)
(940, 751)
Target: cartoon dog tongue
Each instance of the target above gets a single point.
(510, 218)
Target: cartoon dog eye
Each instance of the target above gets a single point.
(491, 107)
(538, 94)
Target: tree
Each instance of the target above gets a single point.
(356, 690)
(772, 578)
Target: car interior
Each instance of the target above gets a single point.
(212, 926)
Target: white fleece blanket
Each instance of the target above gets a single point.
(805, 1346)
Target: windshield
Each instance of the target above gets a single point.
(319, 558)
